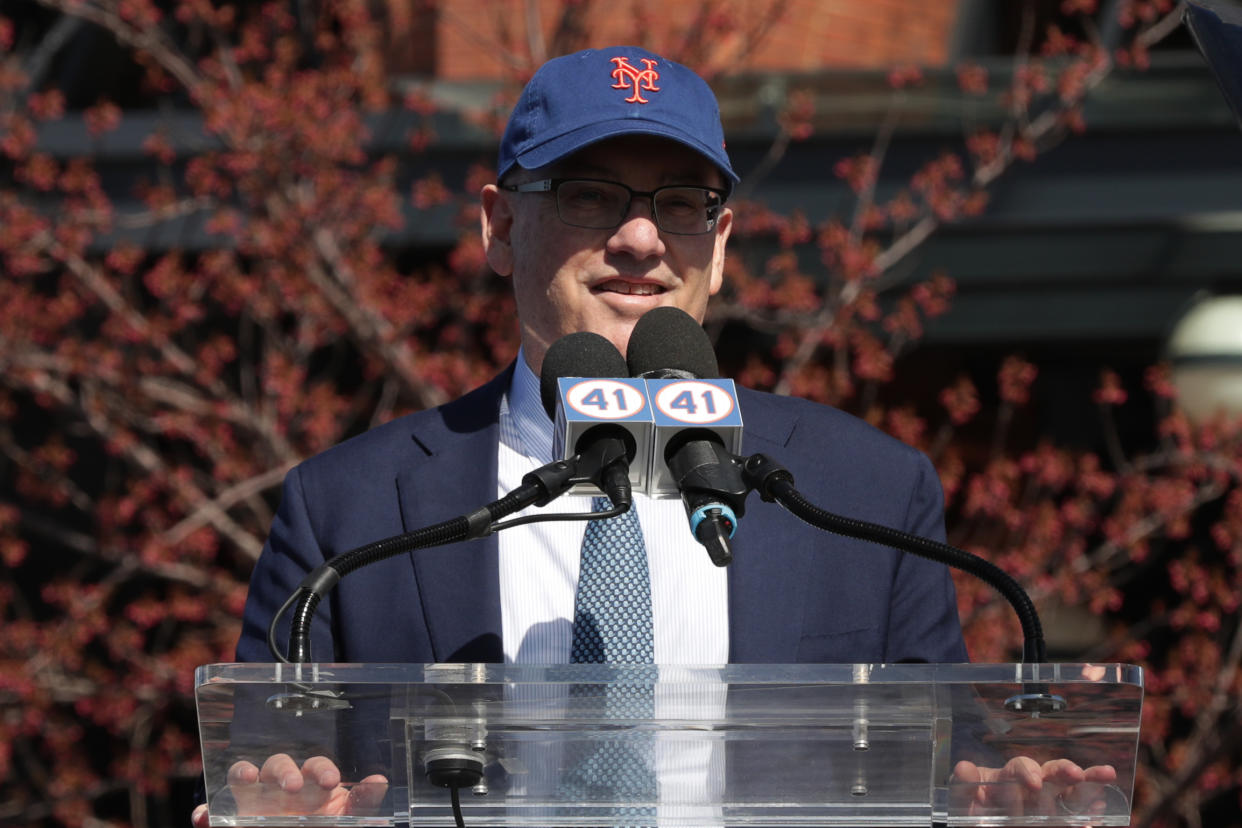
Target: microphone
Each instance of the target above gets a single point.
(667, 343)
(698, 426)
(602, 419)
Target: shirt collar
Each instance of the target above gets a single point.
(532, 424)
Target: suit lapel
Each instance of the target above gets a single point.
(769, 560)
(458, 584)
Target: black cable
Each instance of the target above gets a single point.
(613, 480)
(456, 799)
(271, 628)
(609, 513)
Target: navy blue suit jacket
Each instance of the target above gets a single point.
(796, 594)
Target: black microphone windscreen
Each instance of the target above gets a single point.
(582, 354)
(668, 343)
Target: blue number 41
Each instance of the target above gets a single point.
(685, 402)
(598, 399)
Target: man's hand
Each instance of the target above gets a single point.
(281, 788)
(1024, 787)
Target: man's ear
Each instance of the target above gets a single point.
(724, 226)
(496, 223)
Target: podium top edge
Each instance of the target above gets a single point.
(673, 674)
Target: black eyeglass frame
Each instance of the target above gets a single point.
(552, 185)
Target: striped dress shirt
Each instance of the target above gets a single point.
(539, 562)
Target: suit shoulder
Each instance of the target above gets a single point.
(420, 432)
(846, 465)
(795, 421)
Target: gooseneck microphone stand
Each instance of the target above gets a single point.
(775, 483)
(604, 463)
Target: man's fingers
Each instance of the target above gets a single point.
(322, 771)
(243, 773)
(1025, 770)
(1063, 772)
(1019, 777)
(281, 787)
(967, 772)
(1104, 774)
(280, 770)
(1091, 796)
(1023, 787)
(368, 794)
(199, 818)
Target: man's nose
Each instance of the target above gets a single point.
(638, 234)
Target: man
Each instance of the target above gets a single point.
(596, 117)
(610, 202)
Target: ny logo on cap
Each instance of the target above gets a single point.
(628, 76)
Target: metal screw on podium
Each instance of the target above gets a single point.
(862, 736)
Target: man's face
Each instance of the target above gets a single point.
(568, 279)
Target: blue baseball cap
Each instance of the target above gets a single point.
(580, 99)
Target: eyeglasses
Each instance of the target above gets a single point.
(679, 209)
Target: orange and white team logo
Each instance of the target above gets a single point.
(694, 402)
(629, 76)
(604, 399)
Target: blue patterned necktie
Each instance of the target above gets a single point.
(612, 613)
(612, 624)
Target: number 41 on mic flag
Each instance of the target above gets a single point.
(697, 405)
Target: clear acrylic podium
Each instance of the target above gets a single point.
(787, 745)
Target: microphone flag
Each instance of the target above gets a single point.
(587, 403)
(690, 409)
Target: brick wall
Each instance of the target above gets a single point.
(488, 39)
